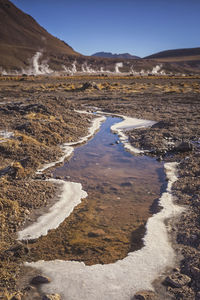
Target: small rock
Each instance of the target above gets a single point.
(177, 280)
(40, 177)
(96, 233)
(30, 288)
(17, 296)
(184, 147)
(27, 212)
(145, 295)
(127, 183)
(198, 295)
(40, 280)
(59, 177)
(19, 249)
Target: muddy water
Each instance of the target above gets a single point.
(122, 192)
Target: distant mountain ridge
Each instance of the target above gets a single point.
(175, 55)
(111, 55)
(27, 48)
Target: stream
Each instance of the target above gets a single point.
(106, 231)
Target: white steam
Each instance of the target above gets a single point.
(4, 73)
(88, 69)
(41, 67)
(72, 70)
(117, 66)
(157, 70)
(37, 67)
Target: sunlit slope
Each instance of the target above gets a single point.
(21, 37)
(177, 55)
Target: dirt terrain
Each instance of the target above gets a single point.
(38, 115)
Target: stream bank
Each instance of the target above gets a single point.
(174, 100)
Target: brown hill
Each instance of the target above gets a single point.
(21, 37)
(177, 55)
(25, 46)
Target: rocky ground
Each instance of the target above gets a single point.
(39, 111)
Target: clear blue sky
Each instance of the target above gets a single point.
(140, 27)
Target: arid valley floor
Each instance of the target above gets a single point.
(40, 113)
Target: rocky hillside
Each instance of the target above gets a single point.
(27, 48)
(21, 37)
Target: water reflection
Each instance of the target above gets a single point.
(110, 222)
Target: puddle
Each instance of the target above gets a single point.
(110, 222)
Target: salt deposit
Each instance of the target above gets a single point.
(120, 280)
(67, 147)
(128, 123)
(67, 150)
(70, 197)
(5, 135)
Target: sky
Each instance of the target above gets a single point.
(139, 27)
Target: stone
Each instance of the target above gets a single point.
(184, 147)
(198, 295)
(177, 280)
(96, 233)
(19, 249)
(17, 296)
(88, 85)
(145, 295)
(40, 280)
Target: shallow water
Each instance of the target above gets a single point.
(122, 279)
(102, 157)
(122, 190)
(104, 167)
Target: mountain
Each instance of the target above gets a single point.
(177, 55)
(21, 37)
(27, 48)
(111, 55)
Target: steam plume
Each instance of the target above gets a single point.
(117, 66)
